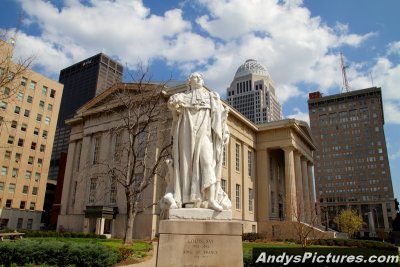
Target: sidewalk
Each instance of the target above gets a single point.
(151, 262)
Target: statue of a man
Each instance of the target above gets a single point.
(199, 133)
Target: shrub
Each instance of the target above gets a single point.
(55, 253)
(252, 236)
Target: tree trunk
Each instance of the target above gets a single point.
(129, 223)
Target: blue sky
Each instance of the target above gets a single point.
(298, 41)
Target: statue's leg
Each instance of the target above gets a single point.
(209, 180)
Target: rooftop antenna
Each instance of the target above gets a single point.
(372, 79)
(345, 87)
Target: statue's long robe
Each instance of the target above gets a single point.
(199, 131)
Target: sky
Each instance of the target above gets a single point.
(299, 42)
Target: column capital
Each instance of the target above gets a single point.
(288, 148)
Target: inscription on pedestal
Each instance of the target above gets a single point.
(199, 244)
(200, 248)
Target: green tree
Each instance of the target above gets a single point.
(349, 221)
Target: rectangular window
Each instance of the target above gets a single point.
(223, 185)
(49, 107)
(17, 110)
(44, 134)
(14, 173)
(47, 120)
(33, 85)
(10, 139)
(8, 203)
(14, 124)
(36, 131)
(250, 199)
(3, 105)
(92, 190)
(249, 163)
(273, 202)
(25, 190)
(37, 176)
(19, 223)
(96, 149)
(7, 155)
(23, 81)
(34, 191)
(11, 188)
(224, 155)
(78, 156)
(237, 192)
(1, 186)
(113, 190)
(118, 146)
(29, 224)
(20, 96)
(33, 145)
(42, 148)
(52, 93)
(237, 157)
(32, 206)
(39, 117)
(30, 160)
(23, 127)
(28, 175)
(22, 205)
(44, 90)
(41, 104)
(26, 113)
(141, 143)
(4, 171)
(17, 157)
(29, 99)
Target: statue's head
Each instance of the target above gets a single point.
(195, 81)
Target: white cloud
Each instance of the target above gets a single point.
(394, 48)
(282, 35)
(299, 115)
(395, 155)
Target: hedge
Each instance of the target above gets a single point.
(48, 233)
(55, 253)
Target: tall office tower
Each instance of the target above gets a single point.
(82, 81)
(351, 161)
(252, 93)
(29, 105)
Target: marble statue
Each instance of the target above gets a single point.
(199, 132)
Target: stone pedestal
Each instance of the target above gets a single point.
(184, 243)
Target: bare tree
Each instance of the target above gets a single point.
(13, 72)
(141, 141)
(305, 229)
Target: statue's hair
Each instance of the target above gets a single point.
(190, 77)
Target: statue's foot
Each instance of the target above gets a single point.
(214, 206)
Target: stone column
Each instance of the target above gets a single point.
(68, 180)
(306, 191)
(300, 210)
(311, 187)
(290, 185)
(262, 193)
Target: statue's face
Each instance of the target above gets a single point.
(196, 80)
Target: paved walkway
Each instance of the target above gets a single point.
(150, 262)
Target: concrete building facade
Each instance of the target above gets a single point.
(267, 173)
(252, 93)
(352, 168)
(82, 81)
(29, 107)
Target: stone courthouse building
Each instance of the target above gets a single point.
(267, 173)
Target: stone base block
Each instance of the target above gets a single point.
(184, 243)
(199, 214)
